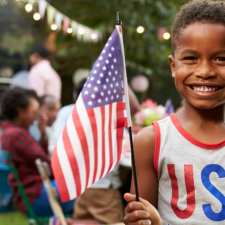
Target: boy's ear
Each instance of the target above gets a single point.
(172, 65)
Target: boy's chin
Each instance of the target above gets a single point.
(206, 105)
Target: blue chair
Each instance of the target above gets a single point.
(5, 190)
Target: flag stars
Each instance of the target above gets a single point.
(99, 100)
(86, 93)
(112, 97)
(92, 78)
(98, 82)
(104, 87)
(100, 58)
(95, 71)
(89, 85)
(112, 48)
(98, 64)
(95, 88)
(93, 96)
(104, 68)
(111, 85)
(107, 80)
(112, 67)
(114, 91)
(110, 73)
(114, 60)
(107, 61)
(109, 92)
(110, 55)
(113, 78)
(116, 72)
(90, 103)
(102, 93)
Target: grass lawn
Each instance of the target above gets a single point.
(13, 218)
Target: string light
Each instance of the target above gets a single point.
(54, 27)
(140, 29)
(94, 36)
(69, 30)
(28, 7)
(81, 31)
(166, 36)
(36, 16)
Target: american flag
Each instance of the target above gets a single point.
(91, 142)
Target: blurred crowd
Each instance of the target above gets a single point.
(31, 120)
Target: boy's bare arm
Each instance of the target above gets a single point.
(147, 180)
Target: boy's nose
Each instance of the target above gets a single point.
(205, 71)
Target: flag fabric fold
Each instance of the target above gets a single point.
(91, 142)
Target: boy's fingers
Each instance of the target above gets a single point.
(135, 216)
(131, 206)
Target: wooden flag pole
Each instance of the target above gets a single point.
(135, 180)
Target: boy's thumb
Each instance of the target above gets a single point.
(129, 197)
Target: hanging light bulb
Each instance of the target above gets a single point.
(28, 7)
(166, 36)
(140, 29)
(69, 30)
(94, 36)
(54, 27)
(36, 16)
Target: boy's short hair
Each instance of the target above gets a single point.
(212, 11)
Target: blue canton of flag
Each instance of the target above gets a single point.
(105, 83)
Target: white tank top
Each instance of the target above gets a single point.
(191, 176)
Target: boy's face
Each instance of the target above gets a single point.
(198, 65)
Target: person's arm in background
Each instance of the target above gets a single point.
(134, 103)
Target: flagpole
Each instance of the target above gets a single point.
(119, 29)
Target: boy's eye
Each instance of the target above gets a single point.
(220, 59)
(189, 58)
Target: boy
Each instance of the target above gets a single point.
(181, 159)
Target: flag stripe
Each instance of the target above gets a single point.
(114, 131)
(102, 109)
(59, 176)
(110, 139)
(98, 117)
(106, 137)
(73, 160)
(120, 114)
(66, 167)
(76, 148)
(86, 124)
(93, 120)
(83, 140)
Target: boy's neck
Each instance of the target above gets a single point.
(215, 115)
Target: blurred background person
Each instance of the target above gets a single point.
(49, 107)
(20, 108)
(42, 76)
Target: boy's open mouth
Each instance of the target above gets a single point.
(205, 88)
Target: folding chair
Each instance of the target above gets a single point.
(32, 218)
(44, 171)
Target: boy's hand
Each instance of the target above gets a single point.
(140, 212)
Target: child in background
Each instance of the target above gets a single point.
(181, 159)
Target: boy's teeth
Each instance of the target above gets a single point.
(204, 88)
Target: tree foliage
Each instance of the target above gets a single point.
(145, 53)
